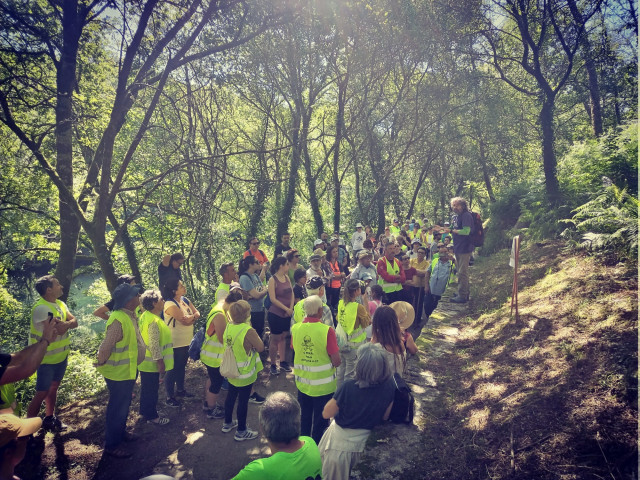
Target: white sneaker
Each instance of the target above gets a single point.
(227, 427)
(247, 434)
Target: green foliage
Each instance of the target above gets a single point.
(14, 322)
(608, 223)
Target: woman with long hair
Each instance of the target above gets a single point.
(386, 331)
(293, 257)
(280, 312)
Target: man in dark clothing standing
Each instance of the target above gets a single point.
(462, 246)
(284, 246)
(170, 268)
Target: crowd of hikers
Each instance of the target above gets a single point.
(342, 322)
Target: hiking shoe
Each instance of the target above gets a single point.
(459, 299)
(172, 402)
(184, 394)
(205, 406)
(247, 434)
(227, 427)
(255, 398)
(216, 412)
(48, 424)
(274, 370)
(284, 366)
(58, 425)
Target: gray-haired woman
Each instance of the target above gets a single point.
(356, 407)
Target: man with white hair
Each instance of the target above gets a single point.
(314, 286)
(462, 246)
(316, 357)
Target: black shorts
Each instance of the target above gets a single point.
(216, 379)
(278, 324)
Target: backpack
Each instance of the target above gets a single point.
(403, 402)
(196, 345)
(229, 366)
(477, 234)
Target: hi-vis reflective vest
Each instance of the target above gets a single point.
(166, 343)
(347, 318)
(298, 312)
(58, 350)
(248, 364)
(314, 372)
(392, 269)
(122, 362)
(212, 349)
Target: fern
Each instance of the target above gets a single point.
(609, 223)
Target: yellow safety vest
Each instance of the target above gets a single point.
(122, 362)
(212, 349)
(347, 318)
(314, 373)
(166, 343)
(298, 312)
(248, 363)
(392, 269)
(58, 350)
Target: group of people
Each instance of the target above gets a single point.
(340, 326)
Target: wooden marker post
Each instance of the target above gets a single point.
(513, 262)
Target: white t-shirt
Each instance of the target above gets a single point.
(357, 240)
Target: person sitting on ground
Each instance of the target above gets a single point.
(314, 286)
(354, 318)
(229, 275)
(104, 310)
(213, 349)
(119, 355)
(246, 346)
(14, 435)
(386, 332)
(158, 356)
(54, 364)
(406, 316)
(23, 364)
(356, 407)
(258, 254)
(316, 358)
(180, 315)
(279, 314)
(299, 282)
(169, 268)
(292, 455)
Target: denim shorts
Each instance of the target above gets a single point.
(49, 373)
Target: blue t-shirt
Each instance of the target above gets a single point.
(249, 282)
(303, 464)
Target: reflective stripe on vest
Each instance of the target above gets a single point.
(57, 350)
(123, 359)
(248, 363)
(336, 271)
(314, 373)
(212, 350)
(347, 315)
(166, 343)
(392, 269)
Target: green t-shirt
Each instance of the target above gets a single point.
(305, 464)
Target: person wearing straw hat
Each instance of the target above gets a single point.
(357, 240)
(14, 435)
(406, 315)
(119, 355)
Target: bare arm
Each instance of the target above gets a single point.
(70, 323)
(102, 312)
(387, 413)
(219, 324)
(254, 340)
(166, 260)
(331, 409)
(335, 359)
(176, 312)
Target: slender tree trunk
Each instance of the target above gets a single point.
(336, 154)
(592, 74)
(548, 151)
(65, 83)
(485, 172)
(284, 217)
(311, 180)
(128, 248)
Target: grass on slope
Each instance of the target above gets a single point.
(552, 395)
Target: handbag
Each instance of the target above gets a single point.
(404, 404)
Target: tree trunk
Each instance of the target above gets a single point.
(485, 171)
(548, 151)
(290, 196)
(592, 74)
(311, 180)
(128, 248)
(65, 83)
(336, 154)
(97, 236)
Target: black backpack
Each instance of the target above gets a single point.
(404, 404)
(477, 234)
